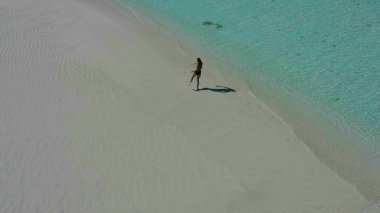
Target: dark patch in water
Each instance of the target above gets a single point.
(331, 70)
(336, 99)
(297, 54)
(334, 45)
(324, 40)
(218, 26)
(207, 23)
(369, 25)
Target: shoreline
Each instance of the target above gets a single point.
(99, 119)
(319, 139)
(370, 178)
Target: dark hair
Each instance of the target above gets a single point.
(199, 60)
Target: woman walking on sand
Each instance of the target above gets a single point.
(197, 72)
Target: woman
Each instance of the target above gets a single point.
(197, 72)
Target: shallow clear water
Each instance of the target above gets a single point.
(321, 54)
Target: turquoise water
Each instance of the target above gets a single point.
(321, 56)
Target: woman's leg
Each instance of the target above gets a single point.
(198, 77)
(192, 77)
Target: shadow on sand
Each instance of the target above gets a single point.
(221, 89)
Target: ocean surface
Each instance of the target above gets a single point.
(318, 61)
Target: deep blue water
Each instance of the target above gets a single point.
(323, 55)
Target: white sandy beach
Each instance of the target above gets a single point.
(96, 116)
